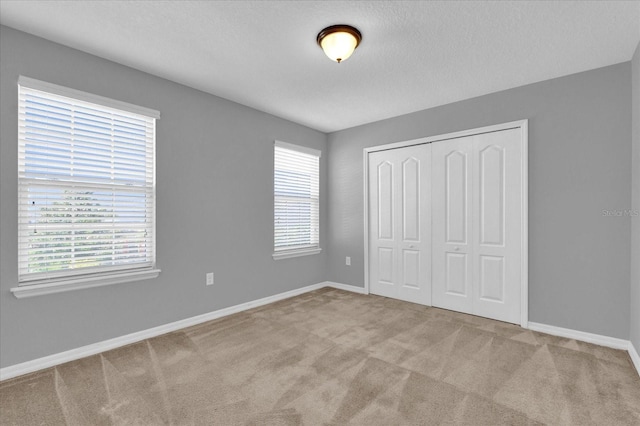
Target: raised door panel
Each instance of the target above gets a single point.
(491, 195)
(411, 200)
(456, 195)
(491, 278)
(385, 200)
(385, 265)
(457, 281)
(411, 269)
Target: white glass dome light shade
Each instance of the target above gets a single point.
(338, 46)
(339, 41)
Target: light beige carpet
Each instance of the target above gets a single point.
(333, 357)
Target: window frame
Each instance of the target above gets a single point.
(59, 281)
(306, 250)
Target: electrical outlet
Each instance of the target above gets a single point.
(348, 261)
(210, 278)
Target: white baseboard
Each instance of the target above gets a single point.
(635, 358)
(96, 348)
(597, 339)
(346, 287)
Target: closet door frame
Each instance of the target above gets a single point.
(523, 125)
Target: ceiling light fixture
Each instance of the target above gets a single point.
(339, 41)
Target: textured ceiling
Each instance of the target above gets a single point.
(414, 55)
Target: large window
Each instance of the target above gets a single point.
(86, 188)
(296, 200)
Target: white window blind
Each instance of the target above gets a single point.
(296, 197)
(86, 185)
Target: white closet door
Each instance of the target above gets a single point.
(477, 222)
(497, 222)
(452, 227)
(399, 223)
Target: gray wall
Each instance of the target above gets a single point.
(579, 151)
(635, 220)
(214, 176)
(214, 207)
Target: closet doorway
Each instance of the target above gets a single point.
(446, 221)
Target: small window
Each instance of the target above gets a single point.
(86, 187)
(296, 200)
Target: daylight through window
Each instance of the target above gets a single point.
(296, 199)
(86, 184)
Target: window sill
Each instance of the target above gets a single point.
(40, 288)
(288, 254)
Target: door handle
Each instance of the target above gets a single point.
(412, 246)
(456, 249)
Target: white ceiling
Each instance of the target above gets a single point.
(414, 55)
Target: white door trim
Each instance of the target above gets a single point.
(523, 125)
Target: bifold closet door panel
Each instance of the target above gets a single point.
(477, 221)
(452, 226)
(497, 223)
(399, 223)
